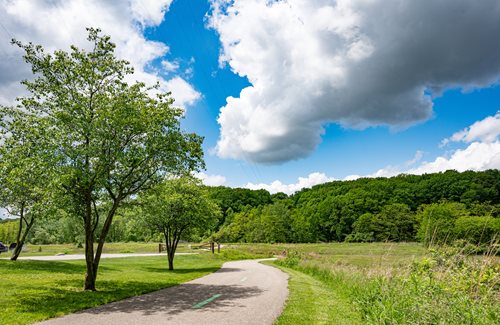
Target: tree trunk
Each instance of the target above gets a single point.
(172, 240)
(20, 241)
(21, 236)
(91, 259)
(90, 275)
(171, 254)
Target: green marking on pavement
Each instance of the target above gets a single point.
(204, 302)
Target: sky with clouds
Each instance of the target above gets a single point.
(289, 94)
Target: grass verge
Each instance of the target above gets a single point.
(312, 301)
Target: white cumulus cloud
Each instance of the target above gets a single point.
(353, 62)
(482, 152)
(486, 130)
(302, 182)
(56, 24)
(211, 180)
(150, 12)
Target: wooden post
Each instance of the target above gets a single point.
(212, 245)
(218, 247)
(159, 248)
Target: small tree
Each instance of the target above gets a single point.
(111, 140)
(179, 208)
(26, 170)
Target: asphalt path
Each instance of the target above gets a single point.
(242, 292)
(71, 257)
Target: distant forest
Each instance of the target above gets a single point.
(439, 207)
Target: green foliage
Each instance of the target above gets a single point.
(477, 230)
(8, 230)
(179, 208)
(437, 222)
(445, 288)
(397, 283)
(26, 169)
(234, 200)
(402, 208)
(179, 205)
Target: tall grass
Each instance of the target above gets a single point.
(448, 285)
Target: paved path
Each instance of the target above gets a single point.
(82, 257)
(242, 292)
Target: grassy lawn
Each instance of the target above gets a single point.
(36, 290)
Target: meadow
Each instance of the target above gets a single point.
(382, 283)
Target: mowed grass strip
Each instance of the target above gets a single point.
(312, 301)
(32, 291)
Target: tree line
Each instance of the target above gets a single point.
(401, 208)
(435, 208)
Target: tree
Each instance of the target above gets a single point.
(178, 208)
(437, 222)
(111, 139)
(25, 170)
(395, 222)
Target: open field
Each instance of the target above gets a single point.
(36, 290)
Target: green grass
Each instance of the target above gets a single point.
(36, 290)
(310, 301)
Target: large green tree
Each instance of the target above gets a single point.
(179, 208)
(111, 139)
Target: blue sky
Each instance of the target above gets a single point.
(333, 89)
(342, 151)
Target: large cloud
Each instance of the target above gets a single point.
(57, 23)
(353, 62)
